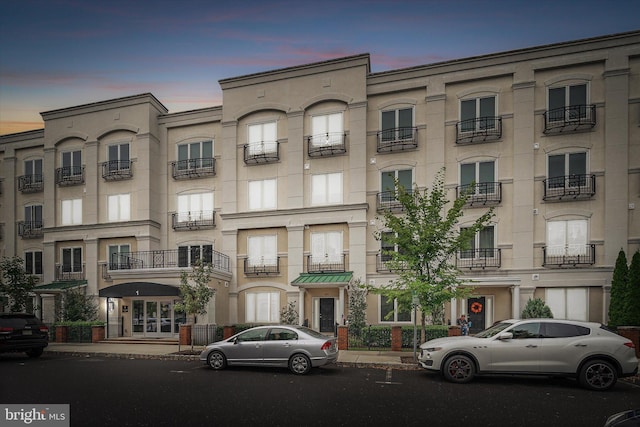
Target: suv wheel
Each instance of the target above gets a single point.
(598, 375)
(458, 369)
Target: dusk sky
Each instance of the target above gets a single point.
(61, 53)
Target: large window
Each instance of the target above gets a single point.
(262, 307)
(568, 102)
(71, 260)
(195, 155)
(33, 215)
(393, 311)
(32, 173)
(327, 129)
(188, 255)
(573, 166)
(116, 258)
(262, 250)
(118, 157)
(119, 207)
(262, 138)
(480, 173)
(72, 212)
(72, 163)
(568, 303)
(404, 178)
(326, 189)
(262, 194)
(397, 124)
(33, 262)
(195, 207)
(567, 237)
(482, 245)
(326, 247)
(478, 114)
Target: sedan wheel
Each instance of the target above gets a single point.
(299, 364)
(598, 375)
(217, 360)
(458, 369)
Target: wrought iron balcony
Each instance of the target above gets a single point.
(569, 256)
(326, 264)
(70, 272)
(30, 229)
(115, 170)
(262, 266)
(70, 175)
(481, 258)
(569, 187)
(30, 183)
(482, 194)
(327, 144)
(193, 168)
(169, 258)
(384, 264)
(478, 130)
(570, 119)
(261, 152)
(397, 139)
(195, 220)
(388, 201)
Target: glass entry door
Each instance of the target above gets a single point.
(152, 318)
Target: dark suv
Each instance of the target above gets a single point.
(23, 332)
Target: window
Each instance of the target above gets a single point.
(563, 330)
(482, 245)
(118, 157)
(195, 207)
(480, 173)
(404, 178)
(33, 262)
(33, 215)
(478, 114)
(326, 189)
(33, 169)
(568, 303)
(262, 250)
(263, 138)
(195, 155)
(326, 247)
(527, 330)
(262, 194)
(567, 238)
(72, 163)
(397, 124)
(281, 334)
(568, 102)
(573, 166)
(387, 245)
(392, 311)
(119, 207)
(327, 129)
(71, 260)
(72, 212)
(116, 258)
(188, 255)
(262, 307)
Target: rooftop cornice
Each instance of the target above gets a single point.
(105, 105)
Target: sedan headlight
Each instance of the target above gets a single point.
(432, 349)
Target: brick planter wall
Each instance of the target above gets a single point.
(62, 333)
(632, 333)
(396, 338)
(455, 331)
(228, 331)
(97, 333)
(343, 338)
(185, 334)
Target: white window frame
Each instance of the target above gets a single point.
(195, 207)
(476, 244)
(190, 259)
(327, 129)
(491, 189)
(565, 302)
(262, 307)
(74, 169)
(566, 248)
(567, 182)
(119, 207)
(185, 163)
(262, 250)
(478, 123)
(381, 301)
(327, 247)
(262, 138)
(262, 194)
(34, 263)
(116, 249)
(71, 211)
(567, 100)
(35, 165)
(327, 189)
(76, 265)
(398, 135)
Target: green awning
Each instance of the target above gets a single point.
(339, 279)
(61, 286)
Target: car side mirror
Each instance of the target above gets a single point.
(505, 336)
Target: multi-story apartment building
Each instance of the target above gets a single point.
(281, 186)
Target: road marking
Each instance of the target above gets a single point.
(388, 379)
(179, 372)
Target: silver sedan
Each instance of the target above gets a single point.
(583, 350)
(296, 347)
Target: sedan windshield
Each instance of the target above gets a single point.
(493, 330)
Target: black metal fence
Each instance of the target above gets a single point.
(206, 334)
(374, 337)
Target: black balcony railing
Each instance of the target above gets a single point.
(115, 170)
(262, 266)
(194, 220)
(167, 258)
(327, 144)
(193, 168)
(70, 175)
(569, 256)
(397, 139)
(261, 152)
(569, 187)
(70, 272)
(384, 264)
(30, 229)
(478, 130)
(326, 264)
(388, 201)
(482, 194)
(30, 183)
(479, 258)
(570, 119)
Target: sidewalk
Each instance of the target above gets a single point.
(373, 359)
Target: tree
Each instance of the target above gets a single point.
(16, 283)
(356, 317)
(427, 239)
(79, 307)
(632, 302)
(619, 285)
(195, 291)
(536, 308)
(289, 314)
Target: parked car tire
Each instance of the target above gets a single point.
(299, 364)
(216, 360)
(458, 369)
(598, 375)
(35, 352)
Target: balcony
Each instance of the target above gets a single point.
(397, 139)
(163, 259)
(30, 183)
(326, 264)
(70, 175)
(479, 130)
(569, 119)
(384, 264)
(116, 170)
(262, 266)
(261, 152)
(195, 220)
(193, 168)
(479, 259)
(30, 229)
(569, 187)
(388, 201)
(70, 272)
(482, 194)
(569, 256)
(328, 144)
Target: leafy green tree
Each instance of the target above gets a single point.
(356, 317)
(619, 291)
(427, 236)
(536, 308)
(195, 291)
(632, 302)
(289, 314)
(16, 283)
(79, 307)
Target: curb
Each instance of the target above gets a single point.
(126, 356)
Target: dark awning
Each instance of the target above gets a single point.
(61, 286)
(139, 289)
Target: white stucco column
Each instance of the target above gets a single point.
(515, 301)
(454, 310)
(341, 318)
(606, 299)
(301, 306)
